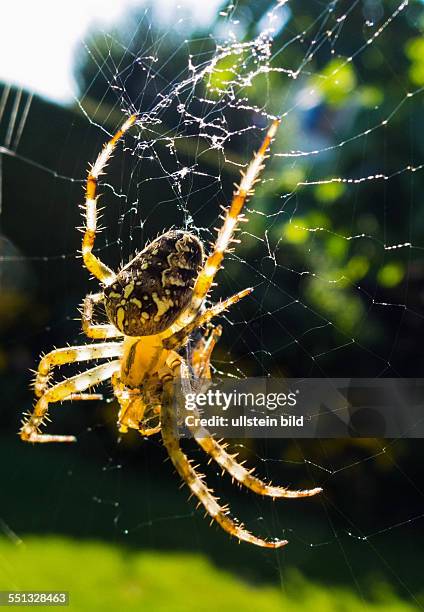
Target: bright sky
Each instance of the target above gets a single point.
(39, 38)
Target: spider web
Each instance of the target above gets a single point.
(333, 247)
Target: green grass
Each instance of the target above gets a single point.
(103, 577)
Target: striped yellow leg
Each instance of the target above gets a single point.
(202, 352)
(94, 265)
(30, 431)
(195, 481)
(240, 473)
(232, 217)
(180, 337)
(62, 356)
(91, 329)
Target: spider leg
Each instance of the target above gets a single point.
(71, 354)
(240, 473)
(202, 353)
(179, 338)
(232, 216)
(92, 263)
(90, 329)
(30, 431)
(201, 367)
(178, 368)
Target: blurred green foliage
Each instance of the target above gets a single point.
(116, 579)
(335, 83)
(414, 50)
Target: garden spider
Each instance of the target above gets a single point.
(153, 304)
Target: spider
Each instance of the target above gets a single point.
(153, 305)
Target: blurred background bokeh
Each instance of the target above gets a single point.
(334, 249)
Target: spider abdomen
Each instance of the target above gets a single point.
(152, 290)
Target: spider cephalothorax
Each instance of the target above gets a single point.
(155, 305)
(156, 286)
